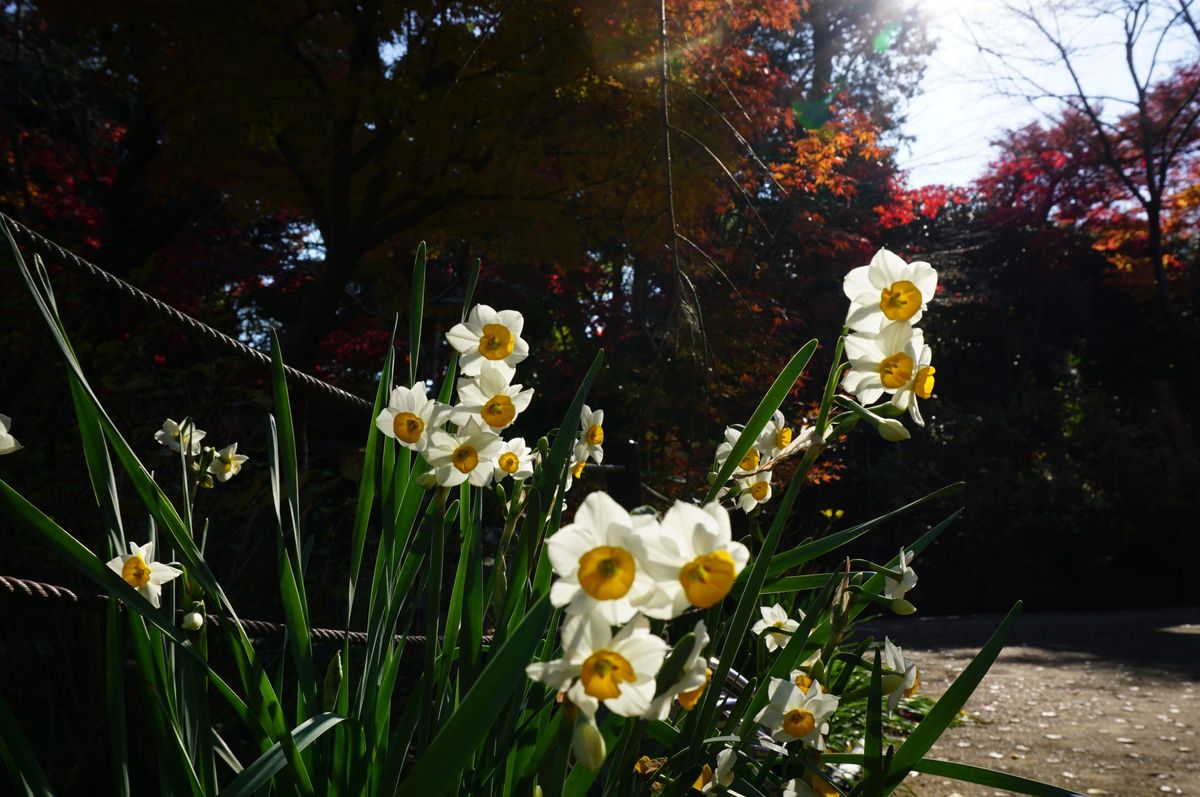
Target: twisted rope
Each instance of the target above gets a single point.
(198, 328)
(257, 629)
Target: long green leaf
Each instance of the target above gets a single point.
(873, 747)
(18, 755)
(774, 397)
(805, 553)
(553, 470)
(288, 466)
(265, 767)
(27, 515)
(969, 774)
(114, 695)
(438, 769)
(416, 313)
(949, 704)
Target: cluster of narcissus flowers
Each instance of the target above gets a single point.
(462, 441)
(750, 485)
(617, 570)
(887, 351)
(209, 463)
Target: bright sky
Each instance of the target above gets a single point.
(963, 107)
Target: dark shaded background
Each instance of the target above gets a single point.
(275, 166)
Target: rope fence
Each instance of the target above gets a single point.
(14, 587)
(49, 249)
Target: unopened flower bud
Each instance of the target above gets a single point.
(902, 607)
(192, 621)
(427, 480)
(891, 430)
(588, 743)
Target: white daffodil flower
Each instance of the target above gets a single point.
(226, 463)
(887, 291)
(756, 490)
(490, 399)
(599, 561)
(892, 588)
(176, 436)
(410, 416)
(882, 362)
(8, 443)
(591, 433)
(468, 455)
(709, 782)
(775, 437)
(920, 386)
(723, 777)
(797, 714)
(598, 667)
(750, 461)
(692, 682)
(775, 617)
(488, 335)
(692, 558)
(140, 571)
(514, 459)
(578, 462)
(900, 676)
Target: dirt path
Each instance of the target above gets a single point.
(1105, 703)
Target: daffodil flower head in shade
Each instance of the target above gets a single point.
(489, 336)
(467, 455)
(887, 291)
(900, 675)
(599, 561)
(893, 588)
(776, 436)
(920, 386)
(693, 559)
(139, 570)
(490, 398)
(795, 714)
(708, 781)
(591, 433)
(514, 459)
(749, 462)
(882, 362)
(597, 667)
(178, 436)
(755, 491)
(692, 681)
(578, 463)
(8, 443)
(410, 417)
(775, 617)
(226, 463)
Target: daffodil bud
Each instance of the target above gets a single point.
(500, 493)
(537, 791)
(588, 743)
(902, 607)
(427, 480)
(192, 621)
(891, 430)
(333, 682)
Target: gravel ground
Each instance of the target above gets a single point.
(1104, 703)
